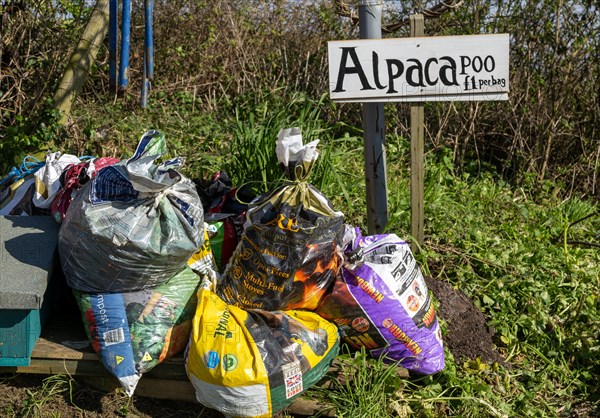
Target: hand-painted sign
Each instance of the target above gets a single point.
(441, 68)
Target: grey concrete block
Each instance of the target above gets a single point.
(28, 253)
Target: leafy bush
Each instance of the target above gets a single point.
(548, 127)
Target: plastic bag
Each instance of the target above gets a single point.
(255, 363)
(133, 226)
(287, 257)
(47, 178)
(380, 301)
(73, 177)
(17, 189)
(223, 237)
(224, 210)
(135, 331)
(16, 198)
(203, 261)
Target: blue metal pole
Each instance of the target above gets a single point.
(145, 83)
(113, 34)
(125, 39)
(149, 37)
(148, 66)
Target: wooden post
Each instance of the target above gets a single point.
(417, 135)
(81, 60)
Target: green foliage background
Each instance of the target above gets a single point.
(209, 54)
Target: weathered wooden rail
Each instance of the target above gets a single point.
(63, 348)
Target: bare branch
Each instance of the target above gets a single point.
(433, 12)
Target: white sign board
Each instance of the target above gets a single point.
(438, 68)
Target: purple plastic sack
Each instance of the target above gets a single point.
(380, 301)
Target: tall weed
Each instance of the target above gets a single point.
(52, 386)
(252, 158)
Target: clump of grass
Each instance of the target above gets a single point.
(364, 388)
(255, 127)
(52, 386)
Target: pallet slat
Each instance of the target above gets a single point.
(65, 349)
(167, 380)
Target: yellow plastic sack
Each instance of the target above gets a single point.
(255, 363)
(203, 260)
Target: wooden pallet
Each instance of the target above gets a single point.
(63, 348)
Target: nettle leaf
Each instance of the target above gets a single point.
(488, 300)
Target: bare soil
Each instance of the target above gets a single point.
(22, 395)
(468, 335)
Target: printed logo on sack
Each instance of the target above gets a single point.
(360, 324)
(370, 290)
(362, 340)
(246, 254)
(211, 359)
(222, 325)
(402, 337)
(413, 303)
(237, 272)
(429, 317)
(285, 223)
(230, 362)
(292, 375)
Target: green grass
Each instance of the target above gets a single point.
(366, 388)
(511, 253)
(52, 386)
